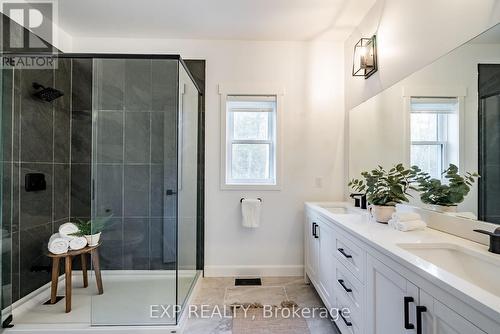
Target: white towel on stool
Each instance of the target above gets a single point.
(77, 243)
(58, 245)
(250, 211)
(66, 229)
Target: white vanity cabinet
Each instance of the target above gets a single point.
(397, 304)
(320, 258)
(383, 296)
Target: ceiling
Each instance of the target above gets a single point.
(210, 19)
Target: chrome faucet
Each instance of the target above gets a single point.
(494, 239)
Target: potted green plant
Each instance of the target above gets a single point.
(91, 229)
(444, 197)
(384, 189)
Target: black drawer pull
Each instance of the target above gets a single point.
(341, 250)
(347, 323)
(420, 310)
(407, 301)
(341, 282)
(314, 229)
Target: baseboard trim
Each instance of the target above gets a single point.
(258, 270)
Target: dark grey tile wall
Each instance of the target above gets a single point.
(53, 138)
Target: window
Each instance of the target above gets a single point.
(434, 134)
(251, 140)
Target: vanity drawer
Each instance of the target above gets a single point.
(351, 256)
(348, 325)
(349, 287)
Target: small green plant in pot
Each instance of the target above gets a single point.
(444, 197)
(384, 189)
(91, 229)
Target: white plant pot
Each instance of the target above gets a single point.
(93, 239)
(382, 214)
(442, 208)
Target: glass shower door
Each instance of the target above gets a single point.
(133, 168)
(187, 185)
(6, 87)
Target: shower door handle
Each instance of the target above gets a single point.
(170, 192)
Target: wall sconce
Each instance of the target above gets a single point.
(365, 58)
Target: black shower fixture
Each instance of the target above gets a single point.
(47, 94)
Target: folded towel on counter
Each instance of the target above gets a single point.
(77, 243)
(405, 216)
(58, 245)
(406, 226)
(66, 229)
(250, 211)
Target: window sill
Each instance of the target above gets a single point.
(260, 187)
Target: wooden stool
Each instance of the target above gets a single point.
(68, 259)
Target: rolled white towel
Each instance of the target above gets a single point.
(58, 245)
(405, 216)
(77, 243)
(410, 225)
(66, 229)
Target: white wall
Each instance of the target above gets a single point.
(377, 127)
(312, 76)
(412, 34)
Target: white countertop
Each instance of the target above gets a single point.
(386, 240)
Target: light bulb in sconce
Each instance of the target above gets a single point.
(365, 57)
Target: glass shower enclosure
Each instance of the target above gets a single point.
(120, 146)
(144, 169)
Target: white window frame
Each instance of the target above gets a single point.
(441, 141)
(225, 142)
(458, 92)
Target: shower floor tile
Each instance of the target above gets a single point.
(127, 299)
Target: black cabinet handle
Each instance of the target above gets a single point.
(314, 229)
(347, 323)
(341, 282)
(407, 301)
(341, 250)
(420, 310)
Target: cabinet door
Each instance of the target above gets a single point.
(311, 243)
(327, 262)
(386, 292)
(439, 319)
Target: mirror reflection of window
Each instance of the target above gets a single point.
(434, 133)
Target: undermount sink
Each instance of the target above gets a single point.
(482, 270)
(342, 209)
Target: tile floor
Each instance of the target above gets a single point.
(274, 290)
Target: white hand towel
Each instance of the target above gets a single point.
(77, 243)
(405, 216)
(66, 229)
(250, 212)
(58, 245)
(410, 225)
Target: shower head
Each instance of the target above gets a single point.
(47, 94)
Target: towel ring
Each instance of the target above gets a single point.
(260, 199)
